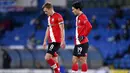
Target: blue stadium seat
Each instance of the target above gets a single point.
(39, 35)
(117, 63)
(123, 64)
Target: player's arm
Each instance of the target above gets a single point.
(89, 27)
(45, 38)
(61, 25)
(62, 35)
(62, 32)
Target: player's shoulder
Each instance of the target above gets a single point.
(83, 16)
(58, 14)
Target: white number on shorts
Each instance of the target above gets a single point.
(51, 47)
(79, 50)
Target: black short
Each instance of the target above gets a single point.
(81, 50)
(53, 47)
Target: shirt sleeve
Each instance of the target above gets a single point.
(60, 19)
(83, 20)
(87, 25)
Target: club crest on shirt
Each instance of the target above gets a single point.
(52, 20)
(78, 21)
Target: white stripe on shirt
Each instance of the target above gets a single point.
(77, 41)
(51, 32)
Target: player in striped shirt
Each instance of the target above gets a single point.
(55, 36)
(83, 28)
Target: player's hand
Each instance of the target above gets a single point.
(62, 45)
(44, 45)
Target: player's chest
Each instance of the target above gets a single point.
(78, 22)
(52, 20)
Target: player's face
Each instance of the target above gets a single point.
(47, 11)
(74, 10)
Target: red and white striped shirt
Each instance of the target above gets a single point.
(54, 34)
(83, 27)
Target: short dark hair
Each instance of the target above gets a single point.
(77, 5)
(47, 5)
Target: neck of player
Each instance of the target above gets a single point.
(52, 12)
(80, 12)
